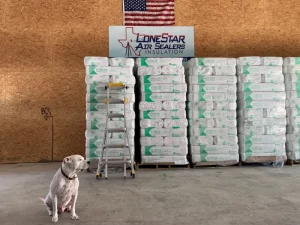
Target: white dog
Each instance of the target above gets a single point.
(63, 191)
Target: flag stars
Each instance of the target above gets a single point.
(135, 5)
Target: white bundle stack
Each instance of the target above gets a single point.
(99, 72)
(261, 109)
(162, 110)
(291, 70)
(212, 111)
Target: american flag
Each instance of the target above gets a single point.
(148, 12)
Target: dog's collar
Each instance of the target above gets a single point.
(66, 176)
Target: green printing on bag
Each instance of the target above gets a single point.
(200, 61)
(156, 87)
(202, 88)
(203, 150)
(205, 88)
(201, 96)
(92, 143)
(147, 150)
(91, 154)
(174, 117)
(248, 139)
(93, 88)
(246, 87)
(93, 98)
(248, 104)
(203, 131)
(154, 150)
(246, 69)
(175, 91)
(93, 107)
(203, 157)
(248, 95)
(297, 79)
(146, 79)
(147, 88)
(249, 148)
(150, 114)
(146, 114)
(97, 69)
(143, 61)
(298, 111)
(148, 132)
(201, 113)
(92, 70)
(201, 79)
(94, 125)
(297, 84)
(148, 97)
(297, 60)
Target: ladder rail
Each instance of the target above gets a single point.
(125, 124)
(104, 159)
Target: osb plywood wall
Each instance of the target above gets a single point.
(42, 45)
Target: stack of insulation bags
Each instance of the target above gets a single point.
(291, 70)
(212, 111)
(261, 109)
(99, 72)
(162, 111)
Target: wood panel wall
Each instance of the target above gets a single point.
(42, 45)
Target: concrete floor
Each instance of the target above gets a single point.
(211, 196)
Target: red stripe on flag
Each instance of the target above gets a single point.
(147, 14)
(160, 10)
(160, 4)
(131, 19)
(148, 24)
(155, 4)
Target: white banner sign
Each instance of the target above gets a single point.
(167, 42)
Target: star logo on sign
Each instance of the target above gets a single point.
(128, 42)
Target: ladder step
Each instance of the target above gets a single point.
(116, 85)
(115, 101)
(116, 130)
(116, 146)
(116, 158)
(116, 162)
(115, 115)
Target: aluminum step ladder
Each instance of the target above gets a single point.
(104, 160)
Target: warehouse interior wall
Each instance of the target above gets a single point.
(43, 43)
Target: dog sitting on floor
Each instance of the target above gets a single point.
(63, 191)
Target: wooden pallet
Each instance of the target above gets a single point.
(160, 166)
(291, 162)
(215, 164)
(252, 160)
